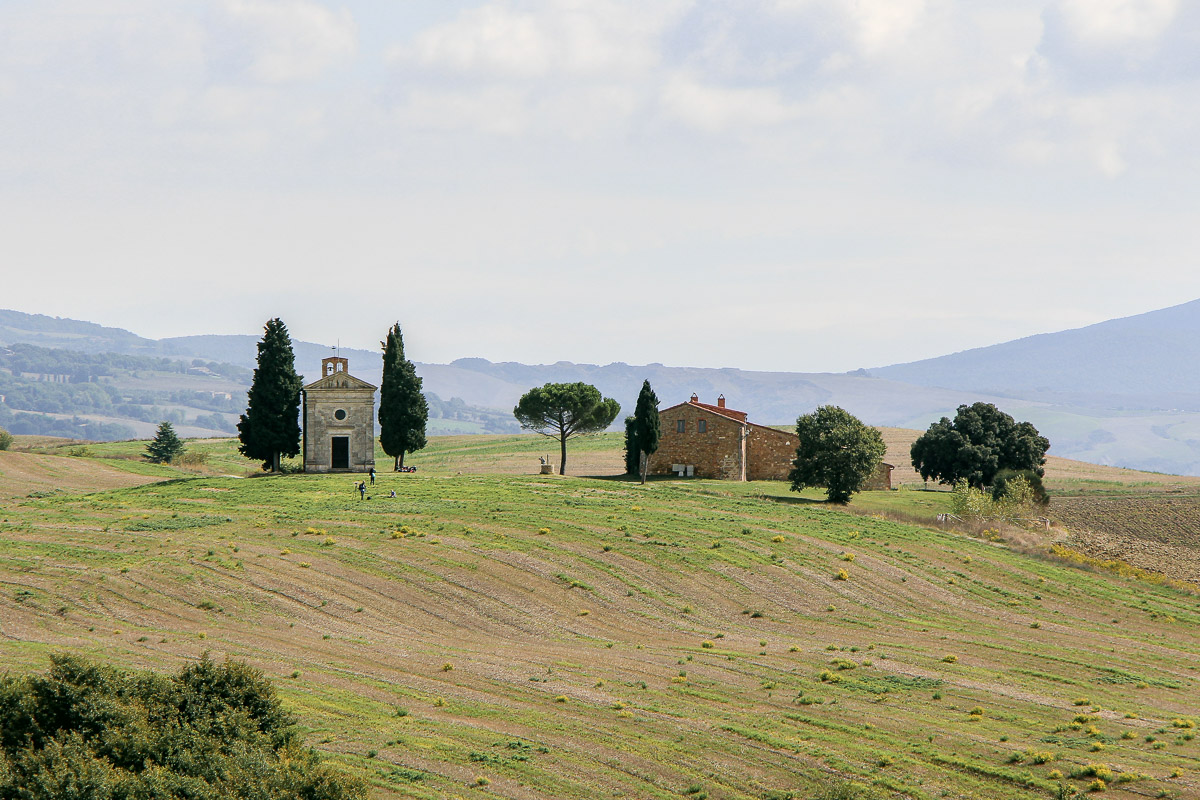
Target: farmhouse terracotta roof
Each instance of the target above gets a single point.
(740, 416)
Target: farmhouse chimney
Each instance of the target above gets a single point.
(695, 398)
(721, 401)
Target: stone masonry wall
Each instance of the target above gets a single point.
(716, 453)
(320, 426)
(770, 453)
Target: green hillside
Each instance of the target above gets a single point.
(533, 636)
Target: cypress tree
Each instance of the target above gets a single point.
(403, 410)
(166, 445)
(647, 428)
(270, 428)
(632, 453)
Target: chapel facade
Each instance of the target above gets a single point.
(339, 420)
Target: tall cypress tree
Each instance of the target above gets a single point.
(270, 428)
(403, 410)
(647, 430)
(632, 454)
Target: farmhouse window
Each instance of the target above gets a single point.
(702, 426)
(681, 426)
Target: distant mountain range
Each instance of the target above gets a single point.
(1119, 392)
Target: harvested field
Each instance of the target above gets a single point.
(583, 638)
(1156, 531)
(25, 473)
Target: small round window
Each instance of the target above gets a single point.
(340, 414)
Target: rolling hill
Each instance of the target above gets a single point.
(526, 636)
(1133, 363)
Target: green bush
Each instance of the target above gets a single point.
(214, 731)
(6, 439)
(1001, 485)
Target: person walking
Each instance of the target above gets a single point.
(362, 490)
(371, 472)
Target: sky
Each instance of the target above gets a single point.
(800, 185)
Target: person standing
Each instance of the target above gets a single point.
(371, 472)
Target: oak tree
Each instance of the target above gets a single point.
(981, 441)
(836, 451)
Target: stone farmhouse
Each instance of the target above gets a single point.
(339, 421)
(714, 441)
(710, 441)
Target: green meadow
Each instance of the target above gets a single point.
(529, 636)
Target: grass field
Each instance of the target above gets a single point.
(527, 636)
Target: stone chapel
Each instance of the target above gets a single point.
(339, 421)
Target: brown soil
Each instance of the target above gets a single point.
(22, 473)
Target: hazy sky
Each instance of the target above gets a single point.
(768, 184)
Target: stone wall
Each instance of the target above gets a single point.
(321, 425)
(881, 480)
(770, 453)
(715, 453)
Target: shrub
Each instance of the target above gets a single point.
(191, 458)
(949, 659)
(842, 575)
(211, 730)
(6, 439)
(1100, 771)
(1008, 483)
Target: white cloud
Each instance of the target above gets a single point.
(789, 143)
(1108, 23)
(599, 38)
(715, 108)
(292, 40)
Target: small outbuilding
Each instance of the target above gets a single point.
(339, 421)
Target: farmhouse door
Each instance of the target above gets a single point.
(340, 453)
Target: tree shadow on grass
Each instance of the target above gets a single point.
(796, 501)
(631, 478)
